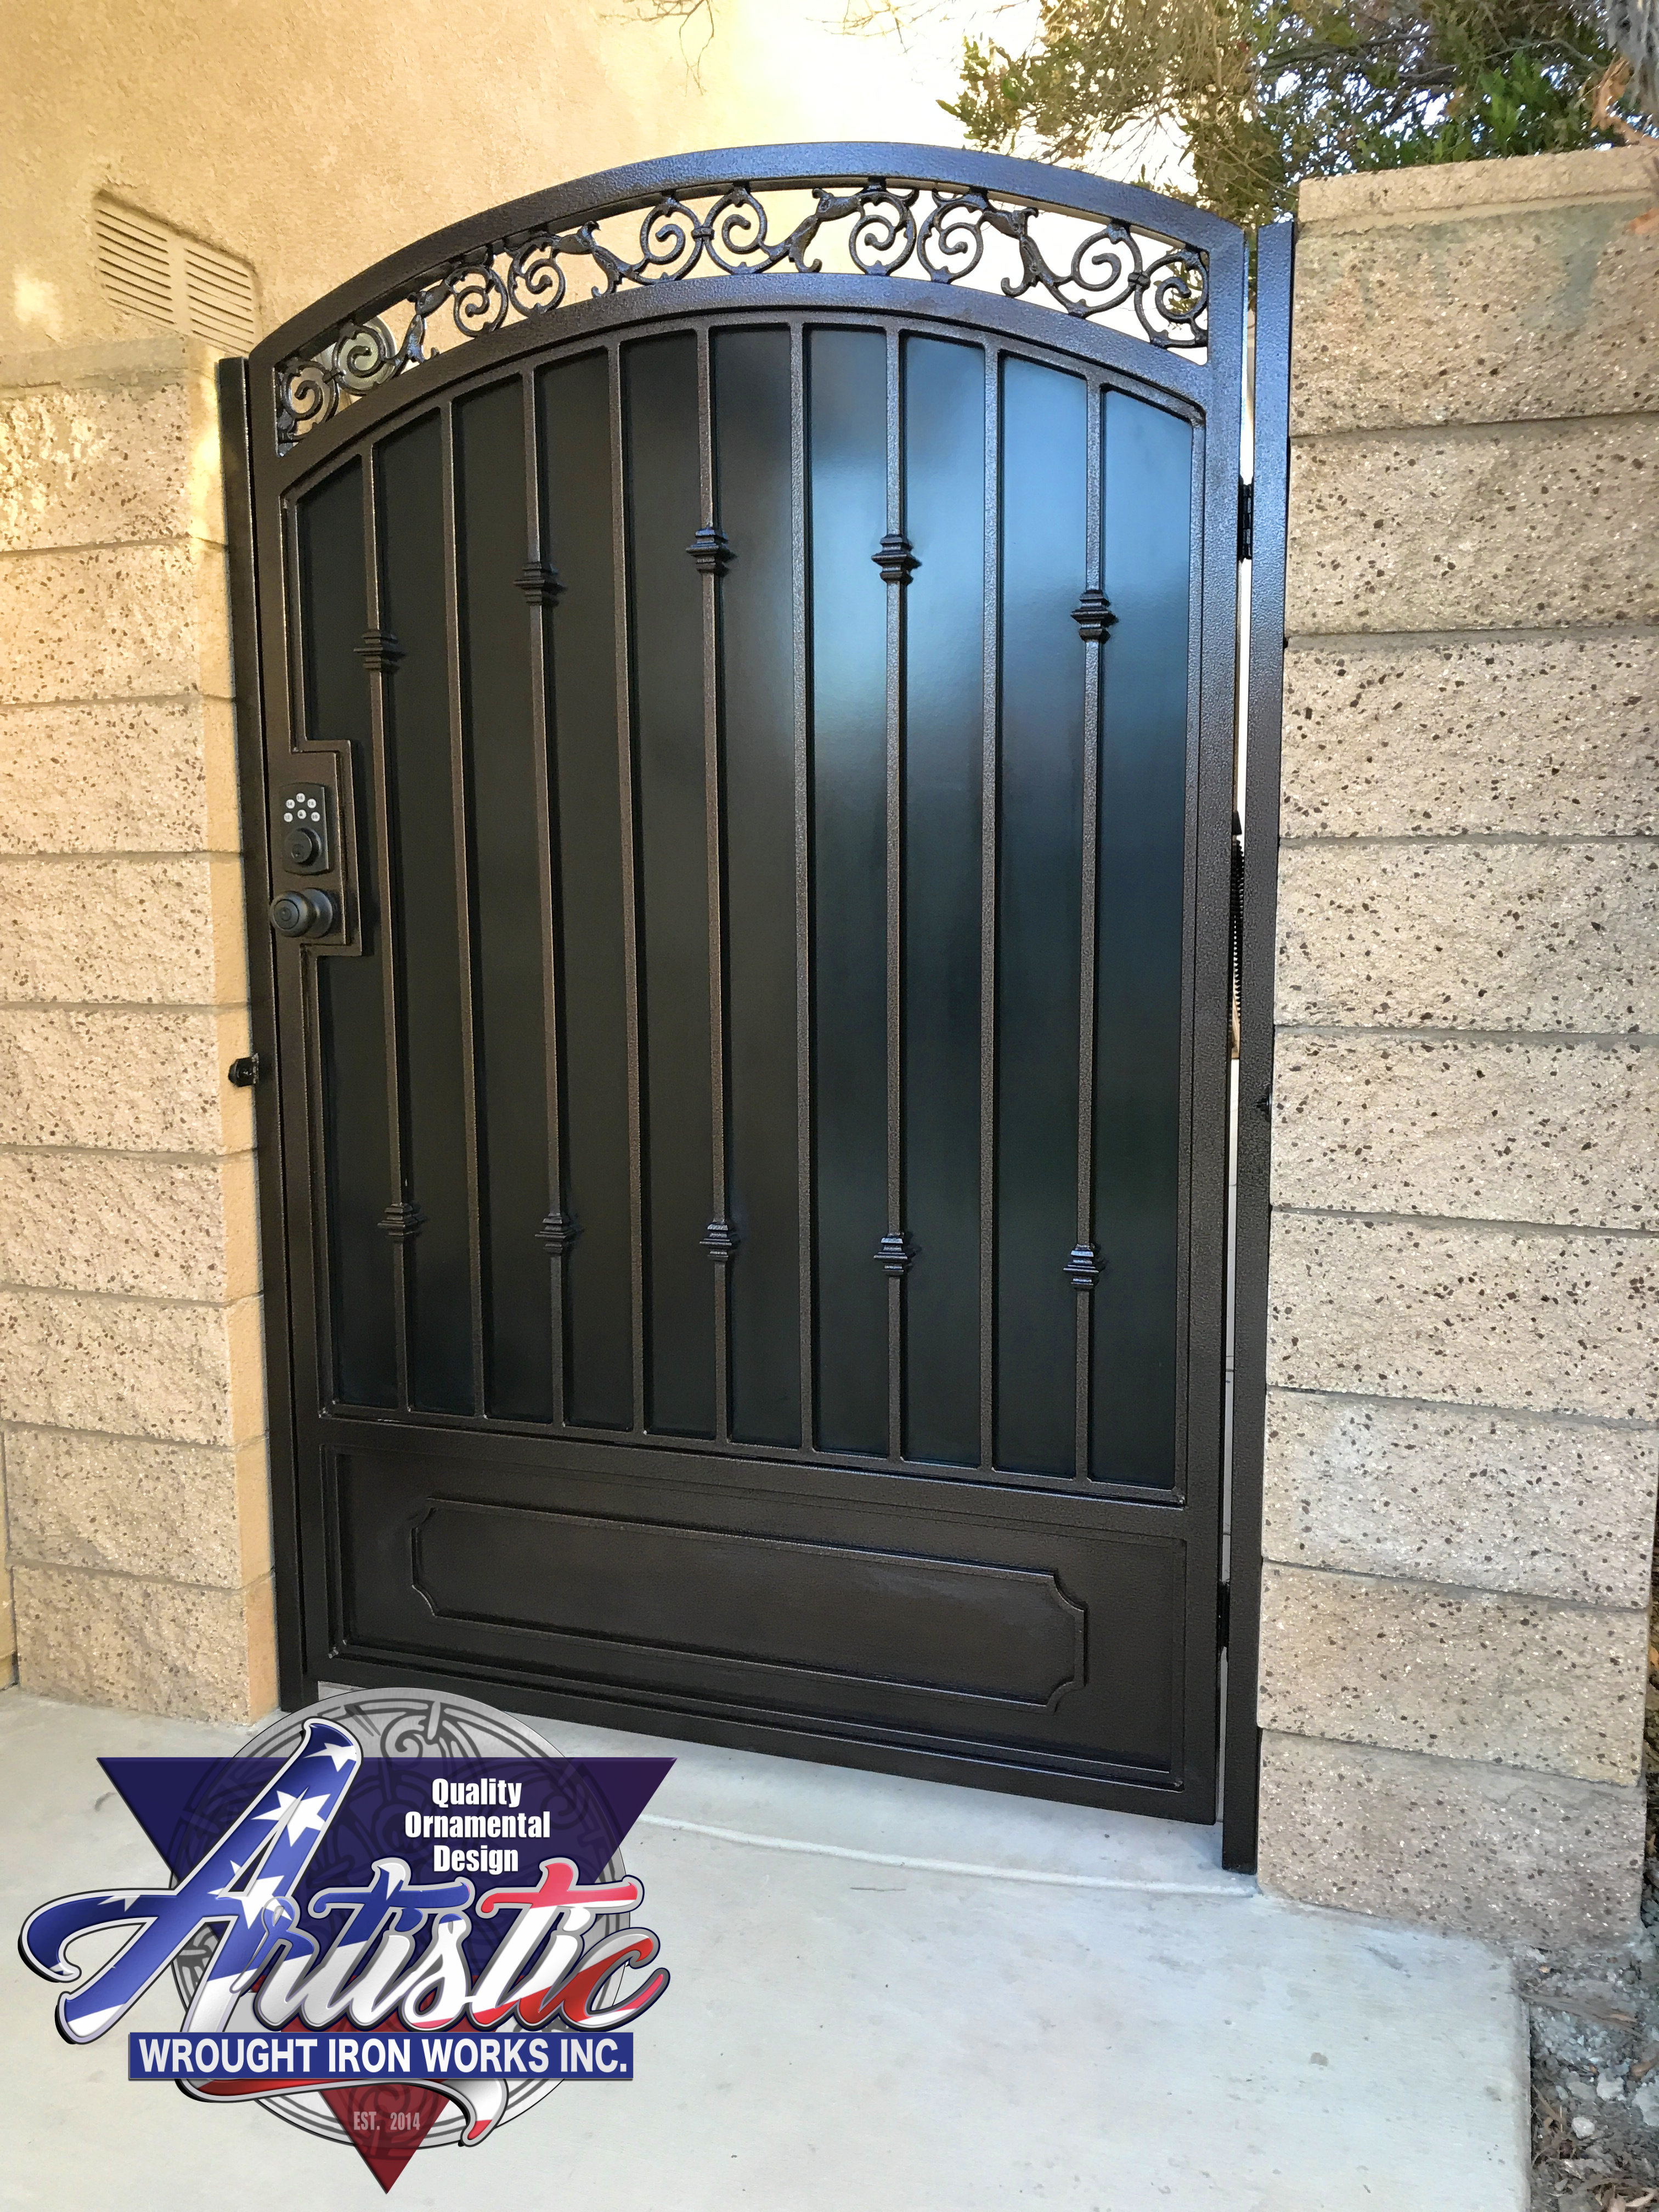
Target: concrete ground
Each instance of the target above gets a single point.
(887, 1994)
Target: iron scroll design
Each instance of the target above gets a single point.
(938, 232)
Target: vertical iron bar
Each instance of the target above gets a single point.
(461, 815)
(799, 525)
(380, 654)
(1275, 256)
(895, 1240)
(720, 1228)
(629, 875)
(1093, 650)
(990, 782)
(539, 607)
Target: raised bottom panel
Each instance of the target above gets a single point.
(1015, 1627)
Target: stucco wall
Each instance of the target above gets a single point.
(131, 1404)
(312, 136)
(1461, 1449)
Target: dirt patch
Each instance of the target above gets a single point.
(1594, 2025)
(1595, 2080)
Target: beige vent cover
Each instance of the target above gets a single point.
(148, 269)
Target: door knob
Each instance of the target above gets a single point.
(303, 914)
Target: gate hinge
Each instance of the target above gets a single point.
(1224, 1613)
(1246, 520)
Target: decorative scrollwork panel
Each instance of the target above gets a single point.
(1153, 286)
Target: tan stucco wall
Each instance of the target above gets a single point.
(1464, 1349)
(131, 1404)
(313, 139)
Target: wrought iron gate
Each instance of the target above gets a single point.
(738, 675)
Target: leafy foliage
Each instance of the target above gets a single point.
(1264, 93)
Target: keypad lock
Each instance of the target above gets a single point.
(305, 833)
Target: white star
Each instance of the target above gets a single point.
(253, 1900)
(308, 1814)
(297, 1814)
(128, 1897)
(342, 1754)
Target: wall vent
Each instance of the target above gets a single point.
(149, 270)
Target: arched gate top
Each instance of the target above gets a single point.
(1084, 247)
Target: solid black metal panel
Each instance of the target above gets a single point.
(380, 654)
(847, 408)
(573, 409)
(895, 1604)
(945, 474)
(1044, 530)
(896, 563)
(806, 1247)
(1146, 712)
(752, 401)
(357, 1159)
(712, 555)
(413, 552)
(665, 615)
(1275, 252)
(358, 1176)
(952, 1626)
(461, 827)
(507, 900)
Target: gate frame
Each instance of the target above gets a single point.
(1262, 721)
(246, 399)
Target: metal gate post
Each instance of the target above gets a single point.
(1264, 713)
(295, 1685)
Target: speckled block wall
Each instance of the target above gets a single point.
(1464, 1347)
(131, 1405)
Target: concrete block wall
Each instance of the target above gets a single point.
(131, 1400)
(1464, 1344)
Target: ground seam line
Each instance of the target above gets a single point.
(945, 1866)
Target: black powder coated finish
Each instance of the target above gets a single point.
(748, 1169)
(846, 1370)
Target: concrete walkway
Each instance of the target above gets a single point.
(886, 1994)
